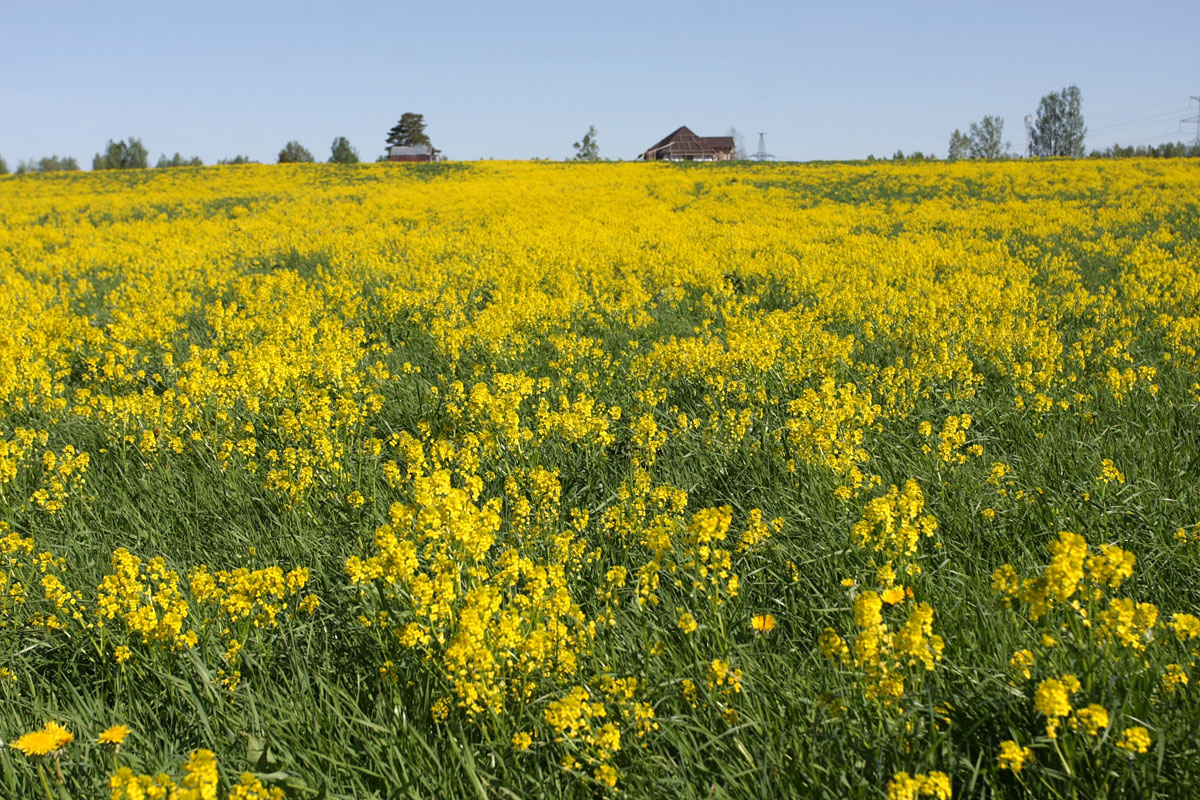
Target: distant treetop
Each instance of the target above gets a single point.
(295, 153)
(409, 131)
(122, 155)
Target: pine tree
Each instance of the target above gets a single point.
(409, 131)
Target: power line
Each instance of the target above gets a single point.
(1156, 108)
(1195, 119)
(1152, 138)
(1141, 119)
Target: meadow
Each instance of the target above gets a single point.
(601, 480)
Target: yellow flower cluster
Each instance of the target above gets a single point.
(199, 782)
(1067, 598)
(934, 784)
(534, 432)
(893, 523)
(882, 656)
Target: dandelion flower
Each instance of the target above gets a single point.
(49, 739)
(763, 623)
(113, 735)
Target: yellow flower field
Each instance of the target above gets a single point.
(574, 480)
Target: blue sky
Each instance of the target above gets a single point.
(518, 80)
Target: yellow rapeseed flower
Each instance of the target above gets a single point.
(1135, 739)
(1013, 756)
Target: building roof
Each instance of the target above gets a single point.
(410, 150)
(682, 141)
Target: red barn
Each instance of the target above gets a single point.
(416, 152)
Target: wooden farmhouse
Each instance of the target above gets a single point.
(416, 152)
(683, 145)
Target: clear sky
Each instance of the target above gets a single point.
(826, 80)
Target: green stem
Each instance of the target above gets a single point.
(45, 783)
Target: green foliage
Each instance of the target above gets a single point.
(587, 149)
(1058, 129)
(48, 164)
(178, 160)
(3, 166)
(318, 721)
(1165, 150)
(987, 139)
(56, 164)
(239, 159)
(122, 155)
(295, 153)
(409, 131)
(960, 146)
(341, 152)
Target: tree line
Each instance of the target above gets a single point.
(1058, 130)
(132, 154)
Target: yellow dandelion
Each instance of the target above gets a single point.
(113, 735)
(763, 623)
(49, 739)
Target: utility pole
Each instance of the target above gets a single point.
(762, 154)
(1195, 119)
(1029, 135)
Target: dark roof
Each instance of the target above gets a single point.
(682, 141)
(682, 130)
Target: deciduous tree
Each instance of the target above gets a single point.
(178, 160)
(295, 153)
(340, 152)
(987, 138)
(587, 149)
(739, 144)
(122, 155)
(56, 164)
(960, 146)
(1059, 129)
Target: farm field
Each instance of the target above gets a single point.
(601, 480)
